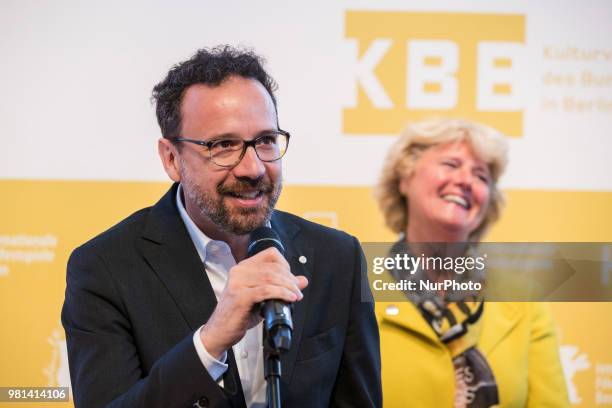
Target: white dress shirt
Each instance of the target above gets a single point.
(217, 260)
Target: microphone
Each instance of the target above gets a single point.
(278, 324)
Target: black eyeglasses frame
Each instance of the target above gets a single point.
(246, 143)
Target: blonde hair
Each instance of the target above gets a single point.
(488, 144)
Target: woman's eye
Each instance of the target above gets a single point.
(483, 177)
(450, 164)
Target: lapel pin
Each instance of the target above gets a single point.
(302, 259)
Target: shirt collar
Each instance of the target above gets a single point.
(200, 240)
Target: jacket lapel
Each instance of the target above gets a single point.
(406, 316)
(295, 248)
(168, 249)
(500, 318)
(170, 252)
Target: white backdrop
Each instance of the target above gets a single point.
(77, 77)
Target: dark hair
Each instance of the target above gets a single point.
(210, 66)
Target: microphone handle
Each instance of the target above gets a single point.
(277, 324)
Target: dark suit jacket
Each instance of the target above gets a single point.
(136, 293)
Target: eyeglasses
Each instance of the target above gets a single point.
(228, 152)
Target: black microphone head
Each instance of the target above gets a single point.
(263, 238)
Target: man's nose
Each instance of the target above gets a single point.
(250, 166)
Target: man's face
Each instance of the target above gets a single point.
(231, 200)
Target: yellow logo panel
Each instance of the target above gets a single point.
(412, 66)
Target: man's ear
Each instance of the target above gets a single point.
(168, 154)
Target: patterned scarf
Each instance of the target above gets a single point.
(456, 320)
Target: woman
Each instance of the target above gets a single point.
(443, 349)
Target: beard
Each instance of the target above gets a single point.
(234, 220)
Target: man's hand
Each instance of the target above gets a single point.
(255, 279)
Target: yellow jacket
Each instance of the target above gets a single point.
(518, 340)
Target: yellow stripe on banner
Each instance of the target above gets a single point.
(564, 216)
(561, 216)
(43, 221)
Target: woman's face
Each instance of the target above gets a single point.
(448, 193)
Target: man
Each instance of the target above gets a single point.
(161, 310)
